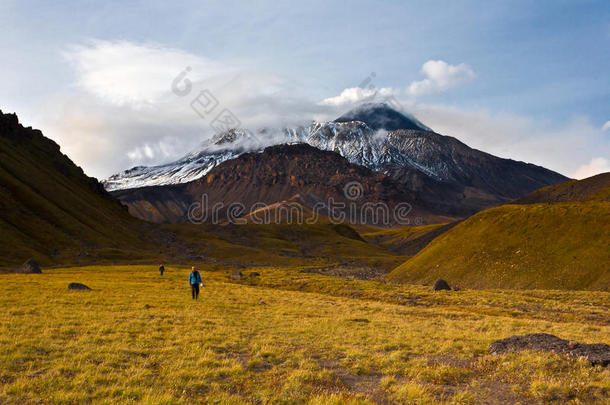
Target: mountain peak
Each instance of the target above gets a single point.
(382, 116)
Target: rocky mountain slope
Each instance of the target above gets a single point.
(448, 175)
(256, 180)
(555, 238)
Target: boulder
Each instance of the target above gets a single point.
(77, 286)
(596, 354)
(441, 284)
(236, 275)
(29, 267)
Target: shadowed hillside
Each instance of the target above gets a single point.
(563, 245)
(51, 210)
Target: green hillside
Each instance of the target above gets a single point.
(594, 188)
(536, 246)
(51, 211)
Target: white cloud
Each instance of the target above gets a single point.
(356, 95)
(606, 126)
(122, 111)
(595, 166)
(440, 77)
(128, 73)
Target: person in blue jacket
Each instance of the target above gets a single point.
(194, 281)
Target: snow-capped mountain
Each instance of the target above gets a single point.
(360, 135)
(449, 176)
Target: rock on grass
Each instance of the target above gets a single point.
(596, 354)
(77, 286)
(441, 284)
(29, 267)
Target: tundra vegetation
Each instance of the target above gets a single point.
(288, 335)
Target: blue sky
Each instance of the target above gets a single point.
(520, 79)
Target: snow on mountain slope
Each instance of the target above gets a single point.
(190, 167)
(362, 140)
(194, 165)
(374, 136)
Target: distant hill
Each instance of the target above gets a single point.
(49, 209)
(406, 240)
(560, 241)
(595, 188)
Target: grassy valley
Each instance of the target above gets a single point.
(286, 336)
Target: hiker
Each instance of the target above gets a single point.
(161, 269)
(194, 281)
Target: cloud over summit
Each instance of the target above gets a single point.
(440, 77)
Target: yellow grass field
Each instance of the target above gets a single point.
(287, 337)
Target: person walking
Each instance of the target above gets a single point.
(194, 281)
(161, 269)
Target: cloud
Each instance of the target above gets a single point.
(122, 112)
(440, 77)
(595, 166)
(106, 138)
(606, 126)
(356, 95)
(127, 73)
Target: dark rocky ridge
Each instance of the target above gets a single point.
(470, 180)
